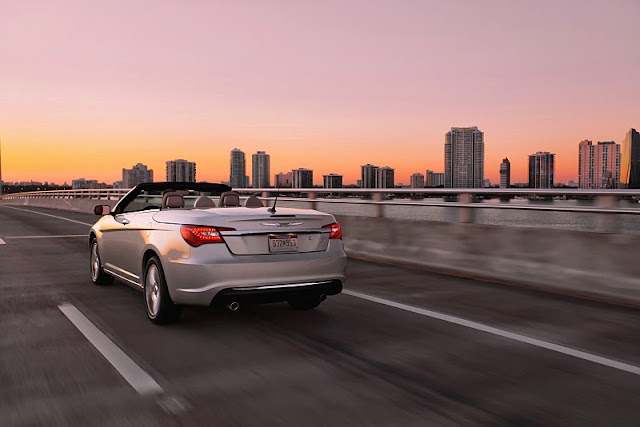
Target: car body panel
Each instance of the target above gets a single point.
(195, 275)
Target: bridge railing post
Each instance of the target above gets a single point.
(312, 195)
(378, 208)
(465, 214)
(607, 222)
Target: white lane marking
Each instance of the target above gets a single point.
(53, 236)
(130, 371)
(502, 333)
(2, 242)
(52, 216)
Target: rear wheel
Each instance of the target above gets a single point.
(306, 303)
(98, 275)
(160, 308)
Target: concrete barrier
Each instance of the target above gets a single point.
(593, 265)
(74, 205)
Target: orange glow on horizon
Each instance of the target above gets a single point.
(64, 157)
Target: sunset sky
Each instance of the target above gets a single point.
(90, 87)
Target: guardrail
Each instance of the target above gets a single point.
(466, 200)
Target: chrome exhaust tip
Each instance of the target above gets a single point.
(233, 306)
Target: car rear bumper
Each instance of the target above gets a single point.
(276, 293)
(212, 269)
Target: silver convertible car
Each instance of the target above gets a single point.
(194, 244)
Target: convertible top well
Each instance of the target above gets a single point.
(159, 187)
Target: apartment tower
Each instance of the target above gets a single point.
(368, 176)
(237, 171)
(332, 181)
(260, 172)
(505, 173)
(302, 178)
(464, 158)
(541, 169)
(417, 180)
(136, 175)
(598, 165)
(385, 177)
(180, 170)
(630, 160)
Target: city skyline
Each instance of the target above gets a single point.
(341, 93)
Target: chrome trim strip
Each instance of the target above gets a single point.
(113, 267)
(293, 285)
(138, 285)
(275, 231)
(258, 288)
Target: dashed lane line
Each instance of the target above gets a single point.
(501, 333)
(141, 381)
(49, 215)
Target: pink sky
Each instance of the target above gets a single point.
(90, 87)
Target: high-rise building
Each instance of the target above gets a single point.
(505, 173)
(598, 165)
(302, 178)
(85, 184)
(260, 170)
(417, 180)
(283, 180)
(180, 170)
(464, 158)
(433, 179)
(237, 172)
(630, 160)
(541, 168)
(136, 175)
(368, 175)
(332, 181)
(385, 177)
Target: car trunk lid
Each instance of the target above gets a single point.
(257, 231)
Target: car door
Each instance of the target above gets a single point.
(114, 246)
(135, 236)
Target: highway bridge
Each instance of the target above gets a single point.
(400, 346)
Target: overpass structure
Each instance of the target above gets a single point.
(405, 344)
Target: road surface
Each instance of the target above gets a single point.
(398, 347)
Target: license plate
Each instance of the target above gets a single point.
(283, 243)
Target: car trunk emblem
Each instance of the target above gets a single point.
(280, 224)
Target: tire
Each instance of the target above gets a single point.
(306, 302)
(98, 275)
(159, 307)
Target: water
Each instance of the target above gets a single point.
(578, 221)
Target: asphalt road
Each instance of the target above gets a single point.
(400, 347)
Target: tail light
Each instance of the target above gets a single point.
(196, 235)
(336, 231)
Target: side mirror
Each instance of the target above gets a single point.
(102, 210)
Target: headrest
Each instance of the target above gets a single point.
(173, 200)
(204, 202)
(253, 202)
(229, 199)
